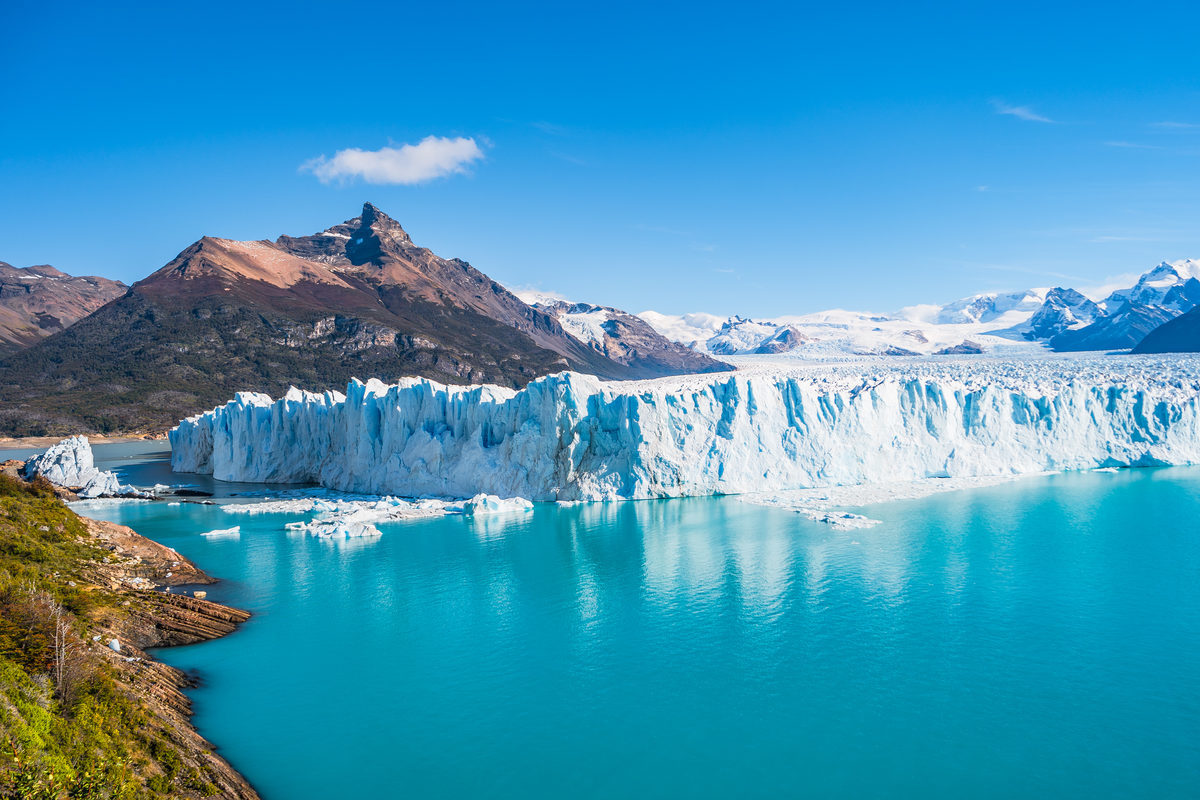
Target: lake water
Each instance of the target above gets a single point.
(1040, 638)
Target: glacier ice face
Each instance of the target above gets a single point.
(574, 437)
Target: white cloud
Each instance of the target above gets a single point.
(433, 157)
(1109, 286)
(1133, 145)
(532, 294)
(1169, 124)
(1020, 112)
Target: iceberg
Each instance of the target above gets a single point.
(348, 518)
(70, 464)
(224, 533)
(570, 437)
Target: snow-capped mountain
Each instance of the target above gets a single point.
(1062, 310)
(739, 336)
(1121, 330)
(1060, 318)
(1161, 286)
(622, 337)
(990, 307)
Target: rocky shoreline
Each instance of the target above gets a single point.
(149, 617)
(146, 598)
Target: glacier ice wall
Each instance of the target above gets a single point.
(573, 437)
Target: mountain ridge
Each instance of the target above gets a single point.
(356, 300)
(40, 300)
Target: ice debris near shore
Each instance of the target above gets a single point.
(574, 437)
(70, 464)
(354, 518)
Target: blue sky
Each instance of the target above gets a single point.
(741, 158)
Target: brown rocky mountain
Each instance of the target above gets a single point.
(357, 300)
(38, 301)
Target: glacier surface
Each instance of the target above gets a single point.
(574, 437)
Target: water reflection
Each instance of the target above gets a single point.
(687, 644)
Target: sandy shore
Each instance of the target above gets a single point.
(13, 443)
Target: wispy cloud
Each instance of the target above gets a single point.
(1024, 270)
(660, 229)
(431, 158)
(534, 294)
(567, 157)
(983, 188)
(1174, 125)
(1110, 285)
(548, 127)
(1133, 145)
(1020, 112)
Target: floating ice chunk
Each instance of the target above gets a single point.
(491, 504)
(842, 520)
(224, 533)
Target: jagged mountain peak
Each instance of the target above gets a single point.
(370, 238)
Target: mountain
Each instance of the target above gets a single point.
(356, 300)
(1119, 331)
(1178, 335)
(1062, 310)
(741, 336)
(1161, 286)
(1060, 318)
(990, 307)
(1130, 315)
(38, 301)
(627, 339)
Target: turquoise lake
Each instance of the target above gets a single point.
(1039, 638)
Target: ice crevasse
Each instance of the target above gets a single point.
(574, 437)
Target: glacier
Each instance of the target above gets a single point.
(570, 437)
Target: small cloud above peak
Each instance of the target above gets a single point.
(1020, 112)
(431, 158)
